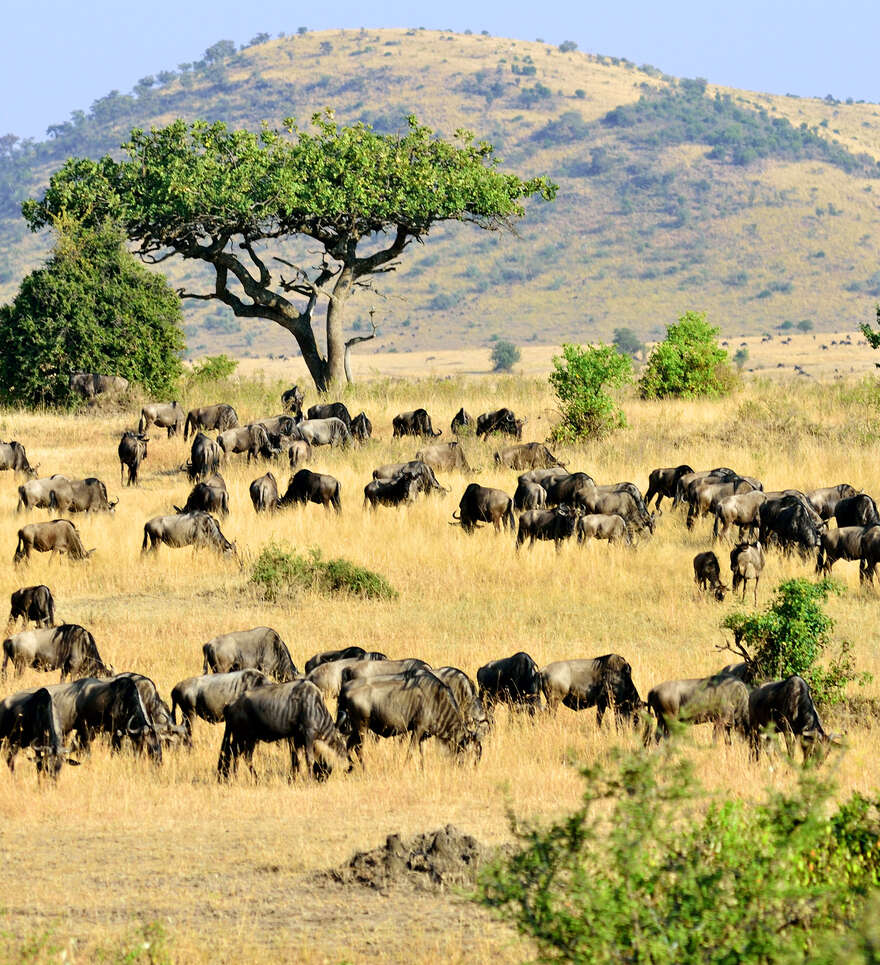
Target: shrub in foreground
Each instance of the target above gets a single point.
(581, 378)
(688, 363)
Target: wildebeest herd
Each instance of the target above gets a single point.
(249, 681)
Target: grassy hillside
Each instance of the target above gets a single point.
(758, 209)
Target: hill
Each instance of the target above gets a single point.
(674, 194)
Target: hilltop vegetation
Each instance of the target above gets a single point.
(674, 194)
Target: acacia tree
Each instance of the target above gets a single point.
(232, 199)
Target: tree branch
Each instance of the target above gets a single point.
(355, 340)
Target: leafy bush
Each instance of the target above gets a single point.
(627, 341)
(504, 356)
(688, 363)
(212, 368)
(740, 357)
(644, 872)
(580, 378)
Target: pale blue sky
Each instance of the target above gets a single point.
(57, 56)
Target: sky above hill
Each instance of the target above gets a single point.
(57, 56)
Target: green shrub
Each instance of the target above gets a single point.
(627, 341)
(580, 379)
(688, 363)
(504, 356)
(212, 368)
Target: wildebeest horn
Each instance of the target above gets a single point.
(456, 517)
(114, 502)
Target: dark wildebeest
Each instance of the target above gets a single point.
(159, 713)
(89, 384)
(167, 415)
(557, 524)
(529, 495)
(686, 481)
(293, 711)
(622, 504)
(858, 510)
(415, 423)
(842, 543)
(663, 482)
(313, 487)
(467, 696)
(792, 523)
(511, 680)
(787, 706)
(602, 526)
(545, 477)
(705, 494)
(186, 529)
(292, 400)
(347, 653)
(502, 421)
(209, 695)
(444, 455)
(211, 418)
(324, 432)
(415, 703)
(381, 668)
(529, 455)
(38, 493)
(426, 481)
(56, 536)
(747, 563)
(462, 423)
(279, 425)
(741, 509)
(264, 493)
(870, 554)
(29, 719)
(13, 456)
(251, 439)
(331, 410)
(208, 496)
(482, 504)
(576, 489)
(204, 457)
(825, 501)
(132, 452)
(707, 574)
(33, 603)
(299, 452)
(361, 427)
(82, 496)
(601, 682)
(379, 492)
(69, 648)
(260, 649)
(722, 700)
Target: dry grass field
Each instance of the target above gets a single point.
(232, 872)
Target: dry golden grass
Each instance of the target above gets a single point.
(230, 871)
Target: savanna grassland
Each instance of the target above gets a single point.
(232, 872)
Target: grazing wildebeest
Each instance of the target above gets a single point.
(747, 563)
(500, 420)
(208, 496)
(791, 522)
(621, 504)
(444, 455)
(81, 496)
(33, 603)
(381, 668)
(395, 492)
(415, 703)
(186, 529)
(529, 455)
(159, 713)
(707, 574)
(858, 510)
(327, 677)
(601, 682)
(211, 418)
(467, 696)
(294, 711)
(602, 526)
(264, 493)
(29, 719)
(204, 457)
(576, 489)
(13, 456)
(251, 439)
(511, 680)
(825, 500)
(529, 495)
(426, 481)
(56, 536)
(545, 477)
(414, 423)
(324, 432)
(361, 427)
(331, 410)
(209, 695)
(347, 653)
(741, 509)
(705, 494)
(89, 384)
(292, 400)
(787, 706)
(870, 554)
(38, 493)
(132, 452)
(842, 543)
(688, 480)
(557, 524)
(462, 422)
(663, 482)
(69, 648)
(279, 425)
(260, 649)
(482, 504)
(722, 700)
(313, 487)
(168, 415)
(299, 452)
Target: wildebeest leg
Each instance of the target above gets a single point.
(756, 589)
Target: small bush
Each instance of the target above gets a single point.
(212, 368)
(580, 378)
(504, 356)
(627, 341)
(688, 363)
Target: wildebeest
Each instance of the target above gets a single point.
(292, 711)
(511, 680)
(313, 487)
(292, 400)
(327, 677)
(707, 574)
(359, 669)
(842, 543)
(792, 523)
(393, 492)
(529, 495)
(38, 493)
(260, 649)
(208, 496)
(211, 418)
(196, 529)
(858, 510)
(870, 554)
(69, 648)
(529, 455)
(688, 480)
(299, 452)
(602, 526)
(264, 493)
(167, 415)
(159, 713)
(787, 706)
(361, 427)
(331, 410)
(557, 524)
(204, 457)
(462, 422)
(426, 481)
(576, 488)
(13, 456)
(210, 694)
(467, 696)
(347, 653)
(722, 700)
(705, 494)
(414, 423)
(747, 563)
(601, 682)
(89, 384)
(55, 536)
(619, 503)
(825, 500)
(545, 477)
(444, 455)
(502, 421)
(29, 719)
(324, 432)
(33, 603)
(741, 509)
(663, 482)
(250, 439)
(132, 452)
(483, 504)
(81, 496)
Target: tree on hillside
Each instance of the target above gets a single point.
(688, 363)
(233, 199)
(93, 307)
(504, 356)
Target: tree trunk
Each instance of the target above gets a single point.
(305, 339)
(335, 315)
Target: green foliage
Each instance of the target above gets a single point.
(627, 341)
(91, 308)
(688, 363)
(872, 337)
(278, 571)
(581, 378)
(805, 325)
(740, 357)
(213, 368)
(567, 46)
(645, 872)
(791, 636)
(504, 356)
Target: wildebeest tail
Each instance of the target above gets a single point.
(208, 663)
(717, 521)
(142, 423)
(508, 518)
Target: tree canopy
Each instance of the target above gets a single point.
(688, 363)
(233, 198)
